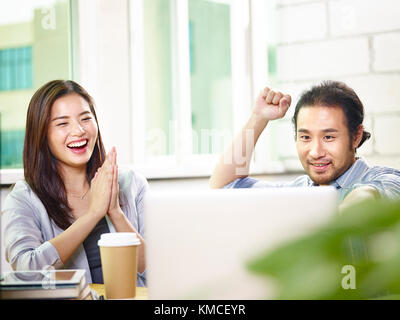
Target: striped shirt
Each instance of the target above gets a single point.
(384, 179)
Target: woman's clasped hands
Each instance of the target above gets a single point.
(104, 189)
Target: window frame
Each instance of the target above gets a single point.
(12, 175)
(247, 52)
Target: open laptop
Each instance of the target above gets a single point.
(198, 242)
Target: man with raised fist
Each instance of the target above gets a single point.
(328, 122)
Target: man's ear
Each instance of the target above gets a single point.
(358, 136)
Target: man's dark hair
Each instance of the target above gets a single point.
(335, 94)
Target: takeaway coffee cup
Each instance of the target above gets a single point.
(119, 260)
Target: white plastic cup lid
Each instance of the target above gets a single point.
(118, 239)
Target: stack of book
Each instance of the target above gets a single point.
(45, 284)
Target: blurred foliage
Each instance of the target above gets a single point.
(365, 237)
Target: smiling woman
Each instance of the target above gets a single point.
(52, 111)
(72, 130)
(71, 193)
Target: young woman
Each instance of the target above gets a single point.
(72, 192)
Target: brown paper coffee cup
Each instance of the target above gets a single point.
(119, 261)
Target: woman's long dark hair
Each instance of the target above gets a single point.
(40, 166)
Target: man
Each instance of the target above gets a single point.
(328, 129)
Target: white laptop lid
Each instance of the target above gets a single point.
(198, 242)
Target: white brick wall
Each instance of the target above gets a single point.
(319, 59)
(289, 2)
(380, 93)
(353, 17)
(387, 133)
(301, 23)
(387, 52)
(355, 41)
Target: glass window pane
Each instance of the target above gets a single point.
(210, 68)
(158, 77)
(34, 48)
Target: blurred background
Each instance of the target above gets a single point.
(173, 80)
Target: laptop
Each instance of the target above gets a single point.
(198, 242)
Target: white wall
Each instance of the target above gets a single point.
(104, 60)
(355, 41)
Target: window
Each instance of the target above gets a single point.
(35, 47)
(15, 74)
(188, 72)
(210, 74)
(192, 81)
(16, 68)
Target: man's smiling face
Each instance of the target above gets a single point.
(323, 142)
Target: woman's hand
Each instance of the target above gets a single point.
(101, 188)
(117, 216)
(114, 209)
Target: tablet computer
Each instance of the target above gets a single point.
(40, 277)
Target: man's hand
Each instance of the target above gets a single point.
(235, 161)
(358, 195)
(271, 105)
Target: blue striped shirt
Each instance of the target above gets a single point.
(384, 179)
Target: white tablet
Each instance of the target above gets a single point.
(40, 277)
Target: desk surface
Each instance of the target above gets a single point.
(141, 292)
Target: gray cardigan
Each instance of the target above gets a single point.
(28, 228)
